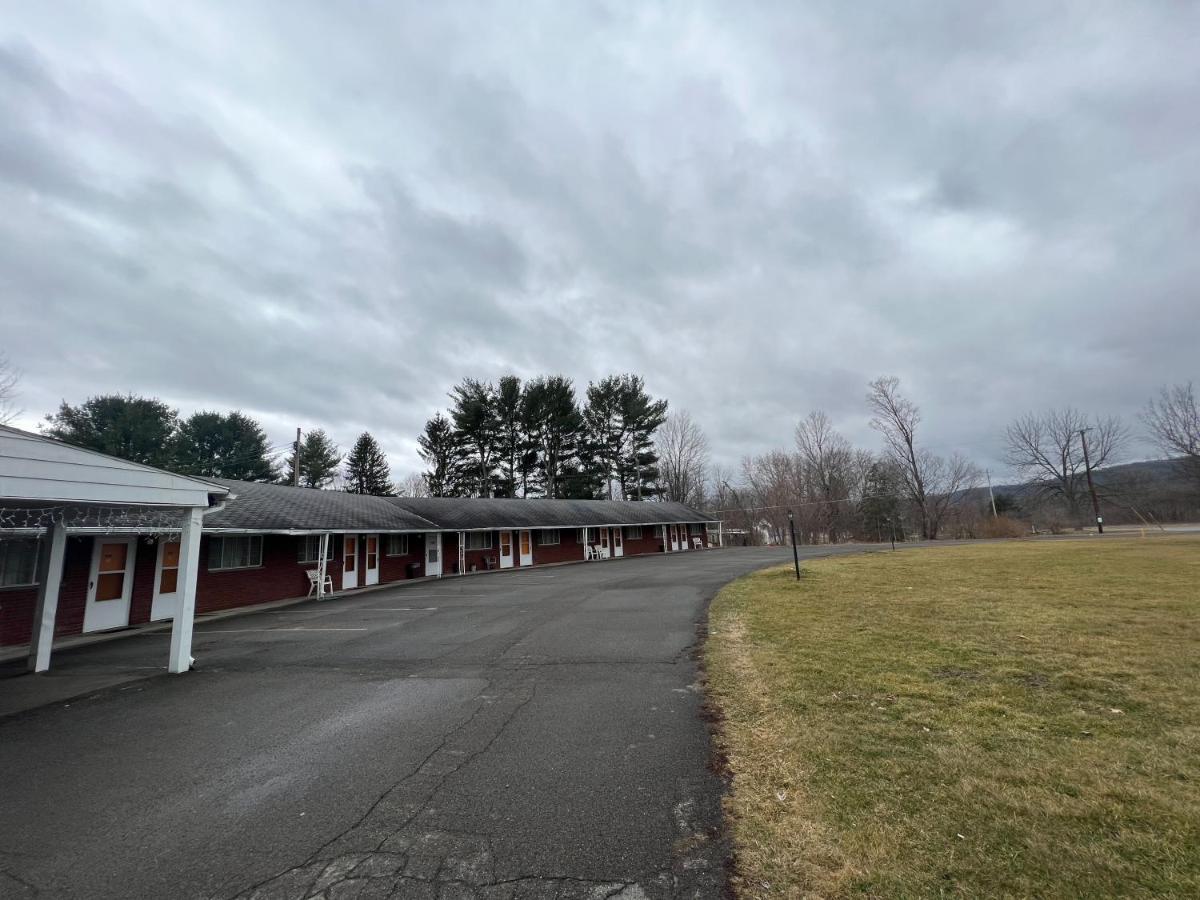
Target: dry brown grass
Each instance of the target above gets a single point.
(991, 720)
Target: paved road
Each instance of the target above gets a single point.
(511, 735)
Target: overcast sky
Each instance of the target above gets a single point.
(325, 214)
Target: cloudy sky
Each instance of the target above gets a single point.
(326, 214)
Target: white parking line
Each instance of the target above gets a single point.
(263, 630)
(399, 609)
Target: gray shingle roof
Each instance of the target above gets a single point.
(475, 512)
(273, 507)
(276, 507)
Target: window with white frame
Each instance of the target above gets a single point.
(548, 537)
(694, 528)
(479, 540)
(397, 545)
(633, 532)
(308, 549)
(234, 552)
(18, 562)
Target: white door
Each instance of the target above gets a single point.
(618, 542)
(371, 563)
(604, 548)
(433, 553)
(506, 555)
(110, 585)
(166, 582)
(674, 537)
(349, 561)
(526, 542)
(683, 537)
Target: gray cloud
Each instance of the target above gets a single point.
(327, 216)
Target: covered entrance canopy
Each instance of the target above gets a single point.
(49, 489)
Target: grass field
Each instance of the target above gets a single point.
(1008, 719)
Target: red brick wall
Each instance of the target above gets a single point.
(476, 558)
(395, 568)
(568, 548)
(648, 543)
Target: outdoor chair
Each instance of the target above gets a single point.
(314, 579)
(698, 543)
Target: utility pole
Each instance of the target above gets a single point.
(1087, 465)
(296, 461)
(991, 496)
(795, 552)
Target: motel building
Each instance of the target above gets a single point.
(90, 543)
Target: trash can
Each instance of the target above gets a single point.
(414, 569)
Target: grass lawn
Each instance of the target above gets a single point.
(1008, 719)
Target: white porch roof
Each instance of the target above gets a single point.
(36, 469)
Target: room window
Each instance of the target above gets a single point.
(694, 528)
(234, 552)
(18, 562)
(308, 549)
(479, 540)
(397, 545)
(633, 533)
(548, 537)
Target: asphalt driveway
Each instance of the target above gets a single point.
(528, 733)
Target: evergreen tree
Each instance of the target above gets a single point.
(439, 447)
(223, 446)
(601, 446)
(139, 429)
(367, 469)
(319, 461)
(555, 424)
(510, 437)
(641, 416)
(882, 502)
(475, 418)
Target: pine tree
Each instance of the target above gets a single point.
(641, 416)
(478, 426)
(367, 469)
(214, 445)
(319, 461)
(439, 447)
(510, 438)
(555, 424)
(601, 445)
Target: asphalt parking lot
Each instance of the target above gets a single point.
(526, 733)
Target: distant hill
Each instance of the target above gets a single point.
(1152, 489)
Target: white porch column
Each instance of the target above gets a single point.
(322, 565)
(462, 553)
(721, 533)
(50, 567)
(189, 566)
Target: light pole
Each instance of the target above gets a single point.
(795, 552)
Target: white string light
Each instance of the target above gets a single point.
(148, 521)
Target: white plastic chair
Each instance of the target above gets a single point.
(314, 579)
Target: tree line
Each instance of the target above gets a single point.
(536, 438)
(210, 444)
(835, 491)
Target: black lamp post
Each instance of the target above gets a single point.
(795, 552)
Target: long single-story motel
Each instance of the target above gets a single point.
(91, 543)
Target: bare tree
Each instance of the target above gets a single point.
(1047, 449)
(933, 483)
(9, 379)
(412, 485)
(828, 461)
(683, 458)
(1174, 423)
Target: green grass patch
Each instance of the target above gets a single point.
(999, 720)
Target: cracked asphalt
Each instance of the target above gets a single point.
(533, 733)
